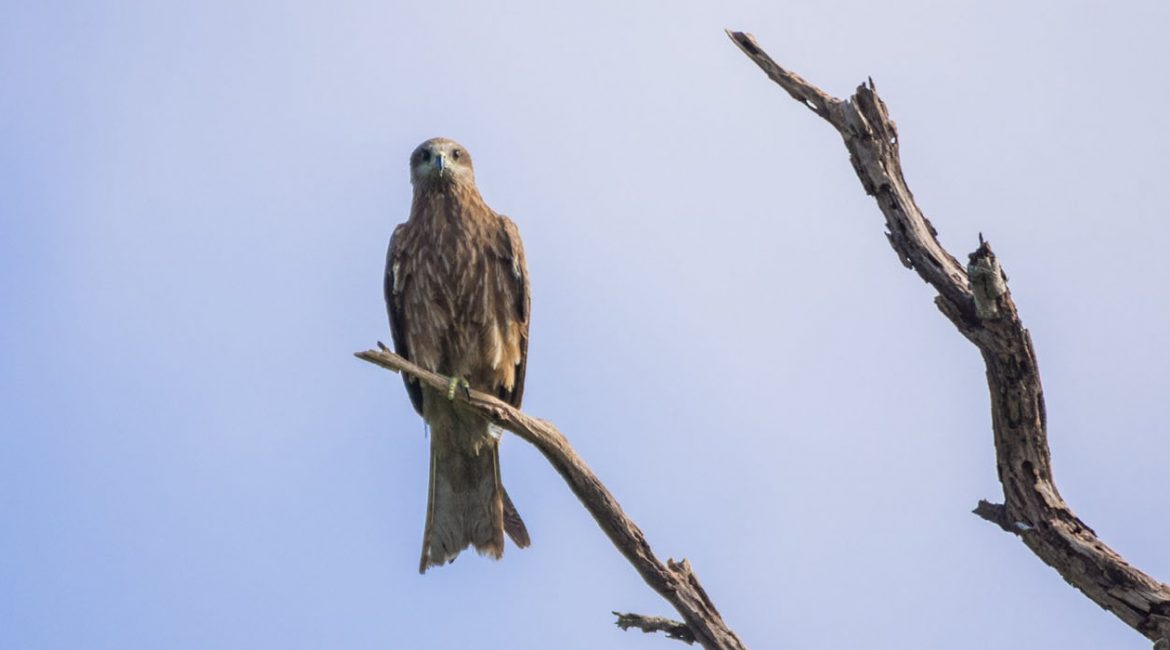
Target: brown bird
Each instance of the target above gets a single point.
(457, 293)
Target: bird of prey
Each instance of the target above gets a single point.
(457, 293)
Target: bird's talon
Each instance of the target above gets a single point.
(458, 382)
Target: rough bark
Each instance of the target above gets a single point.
(977, 301)
(674, 581)
(648, 624)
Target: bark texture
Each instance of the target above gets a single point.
(648, 624)
(977, 301)
(674, 581)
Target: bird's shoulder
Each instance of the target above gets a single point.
(510, 234)
(398, 236)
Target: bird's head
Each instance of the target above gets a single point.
(439, 162)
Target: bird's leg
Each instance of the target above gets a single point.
(458, 382)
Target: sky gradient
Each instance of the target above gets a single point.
(195, 199)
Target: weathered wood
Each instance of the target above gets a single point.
(674, 581)
(649, 624)
(979, 303)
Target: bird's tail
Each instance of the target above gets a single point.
(466, 503)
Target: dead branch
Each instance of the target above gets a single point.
(649, 624)
(674, 581)
(977, 301)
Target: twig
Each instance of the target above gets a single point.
(674, 581)
(648, 624)
(1033, 508)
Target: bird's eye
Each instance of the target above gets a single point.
(424, 155)
(456, 154)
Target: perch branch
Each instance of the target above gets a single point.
(674, 581)
(977, 301)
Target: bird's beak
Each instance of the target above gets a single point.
(439, 162)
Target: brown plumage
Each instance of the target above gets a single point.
(457, 293)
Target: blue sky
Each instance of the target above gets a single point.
(194, 204)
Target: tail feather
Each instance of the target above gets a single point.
(513, 524)
(467, 504)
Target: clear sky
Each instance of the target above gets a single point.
(195, 199)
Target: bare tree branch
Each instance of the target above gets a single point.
(978, 302)
(648, 624)
(674, 581)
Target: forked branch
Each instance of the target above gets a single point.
(977, 301)
(674, 581)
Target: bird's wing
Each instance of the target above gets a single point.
(521, 304)
(392, 288)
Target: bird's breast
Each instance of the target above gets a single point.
(455, 280)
